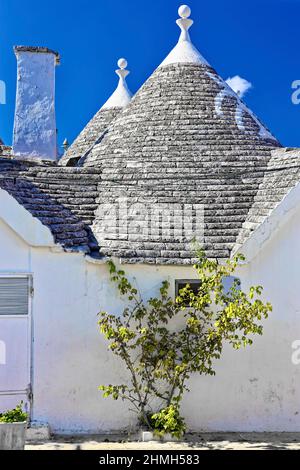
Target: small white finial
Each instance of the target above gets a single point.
(184, 11)
(121, 96)
(184, 52)
(122, 72)
(65, 145)
(122, 63)
(184, 22)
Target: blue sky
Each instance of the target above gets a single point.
(256, 39)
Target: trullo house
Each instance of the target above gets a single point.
(183, 158)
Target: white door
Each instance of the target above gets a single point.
(15, 341)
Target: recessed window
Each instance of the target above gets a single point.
(14, 295)
(193, 283)
(182, 283)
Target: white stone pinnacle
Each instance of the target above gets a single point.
(121, 96)
(184, 11)
(184, 22)
(122, 63)
(122, 72)
(184, 51)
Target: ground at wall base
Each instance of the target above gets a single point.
(197, 441)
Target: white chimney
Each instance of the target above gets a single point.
(35, 124)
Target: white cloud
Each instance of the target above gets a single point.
(239, 85)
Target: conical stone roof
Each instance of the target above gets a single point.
(186, 139)
(100, 122)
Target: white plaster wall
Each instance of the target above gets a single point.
(71, 357)
(15, 254)
(256, 389)
(35, 124)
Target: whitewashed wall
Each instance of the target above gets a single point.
(256, 389)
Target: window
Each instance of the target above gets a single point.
(181, 284)
(73, 161)
(14, 295)
(193, 283)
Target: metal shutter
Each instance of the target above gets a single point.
(14, 295)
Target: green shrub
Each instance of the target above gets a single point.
(17, 415)
(160, 361)
(168, 421)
